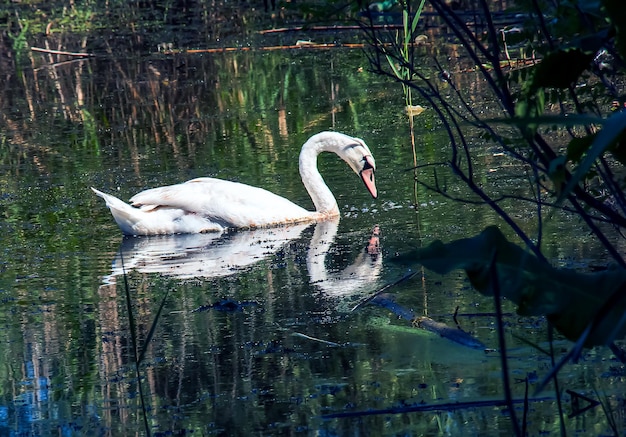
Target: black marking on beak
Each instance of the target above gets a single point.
(367, 176)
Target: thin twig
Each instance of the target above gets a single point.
(451, 406)
(502, 344)
(525, 414)
(383, 289)
(555, 379)
(326, 28)
(61, 52)
(133, 336)
(308, 337)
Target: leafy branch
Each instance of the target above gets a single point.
(585, 177)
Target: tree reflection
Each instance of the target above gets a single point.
(237, 351)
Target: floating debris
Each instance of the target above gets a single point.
(226, 305)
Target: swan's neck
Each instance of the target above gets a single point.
(321, 195)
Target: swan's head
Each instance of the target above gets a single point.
(352, 150)
(359, 157)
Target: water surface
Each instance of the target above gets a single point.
(255, 335)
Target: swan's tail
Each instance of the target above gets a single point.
(125, 215)
(156, 221)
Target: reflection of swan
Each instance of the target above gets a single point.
(208, 255)
(208, 204)
(212, 255)
(359, 276)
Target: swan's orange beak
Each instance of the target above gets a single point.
(367, 175)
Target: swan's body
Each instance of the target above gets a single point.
(208, 204)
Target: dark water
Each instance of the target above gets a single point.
(256, 335)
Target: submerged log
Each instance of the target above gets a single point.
(457, 335)
(454, 334)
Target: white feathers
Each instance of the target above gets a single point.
(208, 204)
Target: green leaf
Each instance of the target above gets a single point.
(416, 17)
(405, 24)
(531, 108)
(394, 68)
(571, 300)
(614, 126)
(560, 69)
(577, 147)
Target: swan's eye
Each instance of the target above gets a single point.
(366, 163)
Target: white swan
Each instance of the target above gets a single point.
(208, 204)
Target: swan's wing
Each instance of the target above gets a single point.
(231, 204)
